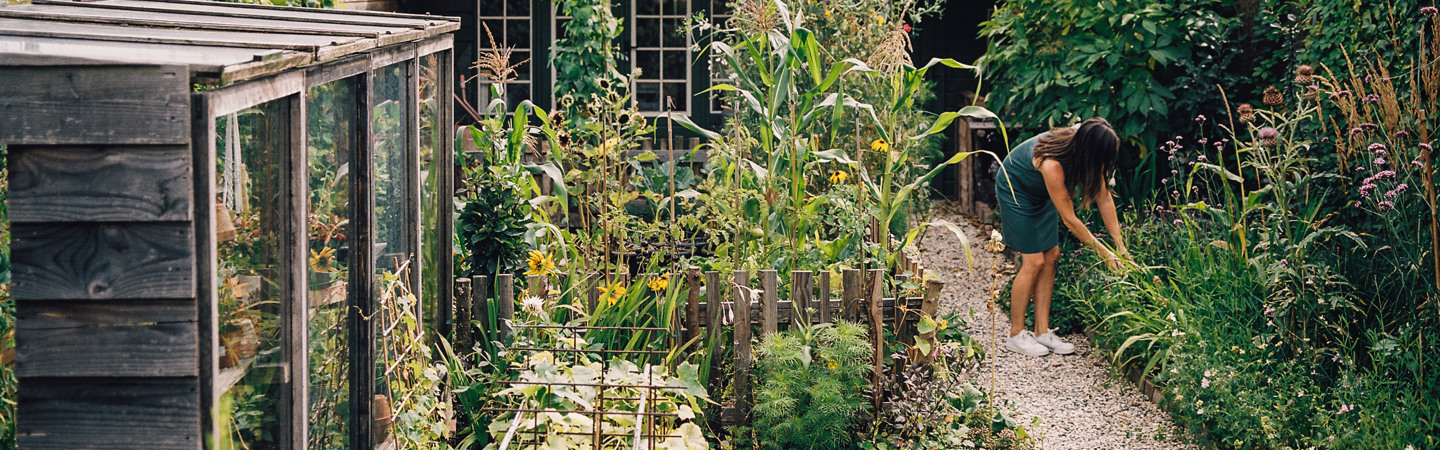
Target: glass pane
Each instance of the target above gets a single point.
(516, 93)
(647, 7)
(517, 34)
(431, 135)
(391, 205)
(390, 97)
(517, 8)
(332, 137)
(647, 32)
(492, 8)
(647, 96)
(522, 70)
(649, 63)
(676, 8)
(675, 33)
(675, 92)
(497, 32)
(249, 147)
(675, 65)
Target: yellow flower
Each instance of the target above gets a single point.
(838, 177)
(611, 294)
(880, 145)
(880, 20)
(944, 323)
(660, 283)
(827, 13)
(322, 260)
(540, 264)
(833, 365)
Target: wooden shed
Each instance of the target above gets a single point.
(210, 203)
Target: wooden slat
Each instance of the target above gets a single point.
(100, 184)
(235, 98)
(692, 303)
(106, 339)
(103, 261)
(801, 292)
(743, 352)
(769, 296)
(206, 286)
(852, 283)
(505, 296)
(122, 105)
(786, 313)
(303, 15)
(65, 13)
(70, 413)
(824, 299)
(23, 26)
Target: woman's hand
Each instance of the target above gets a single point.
(1112, 261)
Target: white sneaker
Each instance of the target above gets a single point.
(1024, 343)
(1053, 342)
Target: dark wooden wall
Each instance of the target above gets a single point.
(102, 214)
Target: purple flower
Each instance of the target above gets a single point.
(1356, 130)
(1268, 133)
(1417, 163)
(1173, 171)
(1366, 189)
(1379, 161)
(1429, 11)
(1386, 206)
(1361, 168)
(1178, 221)
(1344, 409)
(1200, 118)
(1376, 147)
(1425, 145)
(1369, 126)
(1325, 139)
(1172, 158)
(1401, 134)
(1390, 194)
(1165, 181)
(1401, 187)
(1385, 174)
(1380, 152)
(1203, 141)
(1284, 262)
(1270, 310)
(1372, 98)
(1200, 158)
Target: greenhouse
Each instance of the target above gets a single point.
(238, 202)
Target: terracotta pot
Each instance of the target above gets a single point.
(380, 408)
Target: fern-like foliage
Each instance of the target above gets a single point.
(812, 386)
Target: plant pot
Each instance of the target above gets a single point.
(383, 418)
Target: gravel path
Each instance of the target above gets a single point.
(1081, 405)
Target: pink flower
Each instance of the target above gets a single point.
(1204, 383)
(1429, 11)
(1270, 310)
(1200, 118)
(1379, 161)
(905, 27)
(1386, 206)
(1268, 133)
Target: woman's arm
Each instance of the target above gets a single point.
(1112, 222)
(1055, 184)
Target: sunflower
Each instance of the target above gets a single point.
(838, 177)
(322, 260)
(880, 145)
(540, 264)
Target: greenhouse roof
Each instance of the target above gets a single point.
(220, 42)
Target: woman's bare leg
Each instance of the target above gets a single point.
(1044, 291)
(1031, 266)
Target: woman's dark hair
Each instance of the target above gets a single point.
(1087, 154)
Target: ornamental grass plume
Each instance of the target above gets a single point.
(495, 64)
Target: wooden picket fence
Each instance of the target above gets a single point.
(861, 300)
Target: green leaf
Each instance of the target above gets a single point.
(684, 121)
(927, 324)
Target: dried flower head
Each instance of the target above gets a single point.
(1273, 98)
(1304, 75)
(1247, 112)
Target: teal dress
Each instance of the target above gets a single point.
(1028, 219)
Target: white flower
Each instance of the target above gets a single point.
(1208, 374)
(1176, 333)
(1200, 412)
(1171, 317)
(533, 305)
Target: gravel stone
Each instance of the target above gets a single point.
(1081, 404)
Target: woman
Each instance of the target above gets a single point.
(1043, 172)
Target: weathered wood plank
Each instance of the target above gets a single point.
(100, 184)
(692, 303)
(103, 261)
(801, 292)
(505, 296)
(106, 339)
(875, 284)
(743, 352)
(825, 297)
(89, 413)
(770, 295)
(117, 105)
(787, 315)
(852, 283)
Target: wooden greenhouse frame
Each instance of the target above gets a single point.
(111, 110)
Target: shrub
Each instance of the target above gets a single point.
(812, 385)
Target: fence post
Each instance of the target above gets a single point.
(480, 307)
(505, 295)
(692, 303)
(852, 283)
(592, 291)
(714, 301)
(535, 285)
(464, 337)
(769, 298)
(930, 305)
(873, 295)
(801, 292)
(743, 357)
(825, 296)
(900, 306)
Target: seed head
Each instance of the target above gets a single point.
(1304, 75)
(1273, 98)
(1247, 112)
